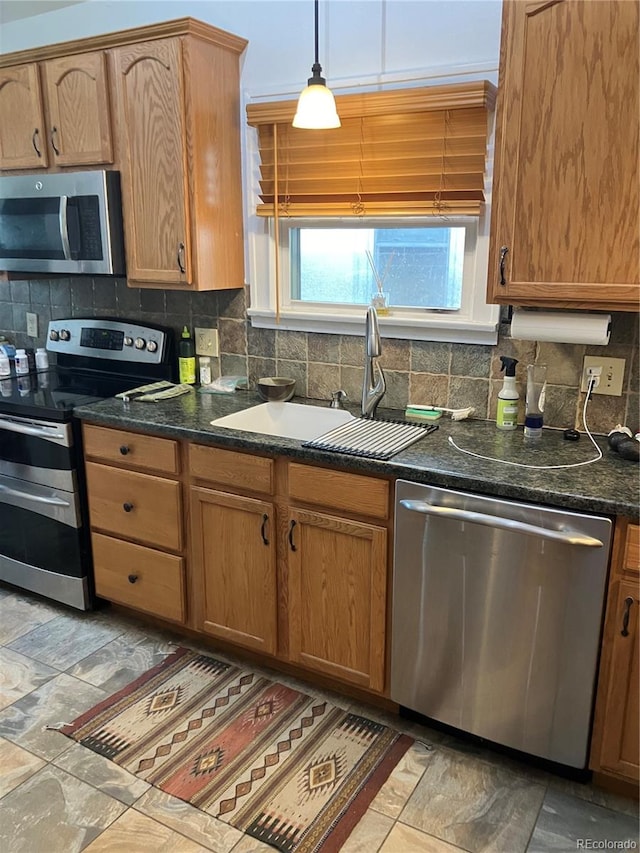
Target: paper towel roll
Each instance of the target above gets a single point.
(561, 326)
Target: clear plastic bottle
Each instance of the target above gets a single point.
(204, 363)
(22, 362)
(42, 359)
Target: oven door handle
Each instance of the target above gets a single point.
(64, 227)
(26, 428)
(569, 537)
(18, 493)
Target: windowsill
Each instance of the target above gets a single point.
(445, 327)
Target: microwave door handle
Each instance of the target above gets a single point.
(64, 226)
(569, 537)
(17, 493)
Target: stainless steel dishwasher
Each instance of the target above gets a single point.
(497, 614)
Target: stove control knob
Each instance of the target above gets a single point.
(65, 335)
(53, 335)
(152, 346)
(128, 342)
(140, 343)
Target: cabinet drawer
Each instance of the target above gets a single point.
(137, 451)
(631, 559)
(137, 506)
(228, 468)
(139, 577)
(339, 490)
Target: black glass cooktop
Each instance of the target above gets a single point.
(53, 394)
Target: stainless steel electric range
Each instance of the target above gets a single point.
(44, 536)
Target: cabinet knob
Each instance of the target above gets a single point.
(132, 578)
(127, 507)
(124, 449)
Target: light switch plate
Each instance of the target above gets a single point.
(206, 341)
(611, 377)
(32, 324)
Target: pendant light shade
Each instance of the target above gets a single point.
(316, 104)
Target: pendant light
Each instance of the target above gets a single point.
(316, 104)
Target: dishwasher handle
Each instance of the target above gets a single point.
(569, 537)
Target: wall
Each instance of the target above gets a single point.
(453, 375)
(360, 40)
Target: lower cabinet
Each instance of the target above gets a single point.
(616, 741)
(234, 549)
(286, 559)
(139, 577)
(293, 570)
(135, 511)
(337, 581)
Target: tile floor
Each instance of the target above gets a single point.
(58, 797)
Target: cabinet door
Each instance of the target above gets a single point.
(566, 189)
(235, 563)
(620, 747)
(150, 96)
(22, 141)
(337, 578)
(78, 107)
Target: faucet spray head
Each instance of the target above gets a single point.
(372, 334)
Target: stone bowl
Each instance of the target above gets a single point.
(276, 389)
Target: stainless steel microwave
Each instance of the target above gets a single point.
(67, 222)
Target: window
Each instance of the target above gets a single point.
(392, 203)
(411, 266)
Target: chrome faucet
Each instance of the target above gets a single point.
(374, 386)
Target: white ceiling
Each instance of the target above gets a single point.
(14, 10)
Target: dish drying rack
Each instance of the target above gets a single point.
(371, 439)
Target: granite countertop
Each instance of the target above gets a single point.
(609, 486)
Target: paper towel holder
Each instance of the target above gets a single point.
(577, 327)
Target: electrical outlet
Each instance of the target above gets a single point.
(206, 341)
(32, 325)
(611, 377)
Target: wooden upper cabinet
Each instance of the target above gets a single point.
(79, 125)
(179, 120)
(154, 179)
(23, 143)
(566, 190)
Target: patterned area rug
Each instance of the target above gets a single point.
(282, 766)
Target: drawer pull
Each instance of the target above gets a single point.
(34, 142)
(263, 528)
(132, 578)
(291, 545)
(124, 449)
(127, 507)
(625, 619)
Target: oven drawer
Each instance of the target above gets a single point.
(132, 449)
(139, 577)
(136, 506)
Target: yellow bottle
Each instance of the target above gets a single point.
(187, 358)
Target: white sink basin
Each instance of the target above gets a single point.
(287, 420)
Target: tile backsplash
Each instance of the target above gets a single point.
(440, 374)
